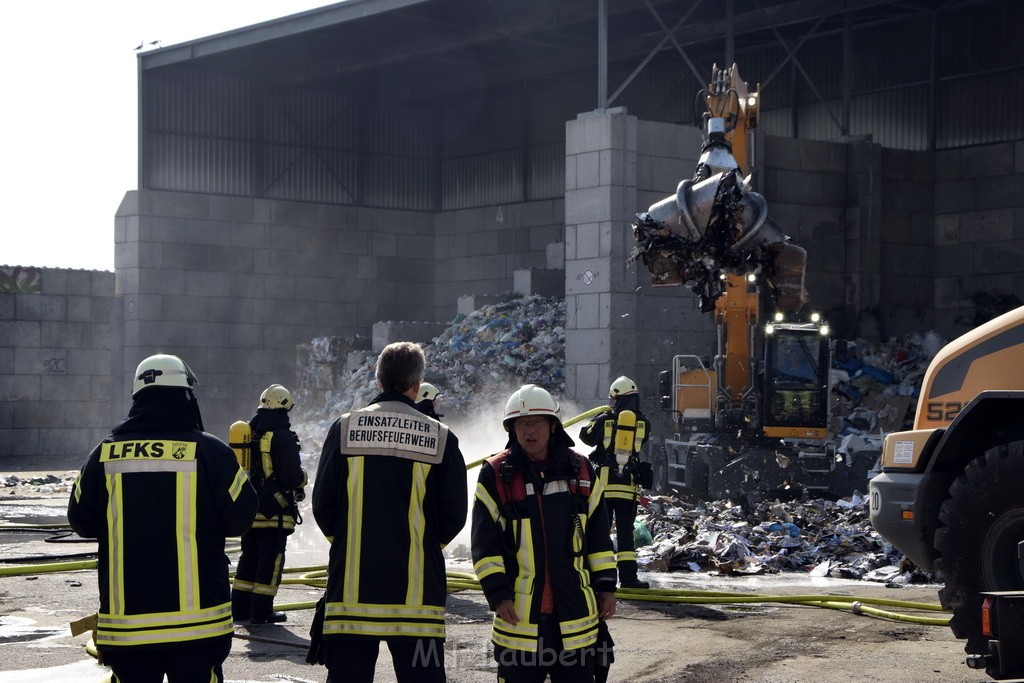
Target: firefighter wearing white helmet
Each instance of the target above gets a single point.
(623, 386)
(541, 546)
(618, 435)
(426, 400)
(162, 370)
(161, 496)
(277, 396)
(275, 470)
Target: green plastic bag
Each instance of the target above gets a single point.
(641, 536)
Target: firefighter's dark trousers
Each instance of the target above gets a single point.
(622, 513)
(187, 662)
(259, 572)
(415, 660)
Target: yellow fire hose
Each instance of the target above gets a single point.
(568, 423)
(465, 581)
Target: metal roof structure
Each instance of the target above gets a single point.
(403, 50)
(396, 103)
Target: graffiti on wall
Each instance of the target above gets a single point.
(54, 366)
(18, 280)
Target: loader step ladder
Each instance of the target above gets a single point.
(693, 388)
(817, 465)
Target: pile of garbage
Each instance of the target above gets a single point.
(477, 361)
(875, 385)
(822, 537)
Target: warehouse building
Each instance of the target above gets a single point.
(385, 160)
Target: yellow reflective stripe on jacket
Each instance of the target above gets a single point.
(188, 566)
(264, 522)
(354, 526)
(619, 492)
(417, 528)
(373, 619)
(238, 484)
(579, 633)
(522, 636)
(146, 450)
(601, 561)
(488, 502)
(485, 566)
(265, 460)
(147, 629)
(588, 592)
(596, 494)
(526, 559)
(615, 491)
(115, 536)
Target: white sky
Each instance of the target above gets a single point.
(68, 118)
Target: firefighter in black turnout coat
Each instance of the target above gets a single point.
(541, 547)
(390, 493)
(618, 440)
(161, 495)
(276, 472)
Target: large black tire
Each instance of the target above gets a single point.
(977, 547)
(659, 462)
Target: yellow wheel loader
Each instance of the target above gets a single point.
(950, 495)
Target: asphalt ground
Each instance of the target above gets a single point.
(655, 641)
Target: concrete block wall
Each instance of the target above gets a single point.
(478, 250)
(669, 321)
(233, 285)
(805, 183)
(906, 242)
(978, 234)
(55, 371)
(541, 281)
(390, 331)
(600, 193)
(617, 323)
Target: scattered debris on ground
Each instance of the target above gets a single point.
(37, 484)
(822, 537)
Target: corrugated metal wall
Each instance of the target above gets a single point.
(197, 133)
(218, 134)
(507, 147)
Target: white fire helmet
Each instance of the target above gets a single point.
(428, 392)
(276, 396)
(623, 386)
(162, 370)
(529, 400)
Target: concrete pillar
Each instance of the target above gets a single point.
(600, 204)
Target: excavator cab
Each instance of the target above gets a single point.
(797, 363)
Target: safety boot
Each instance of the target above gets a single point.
(263, 611)
(269, 618)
